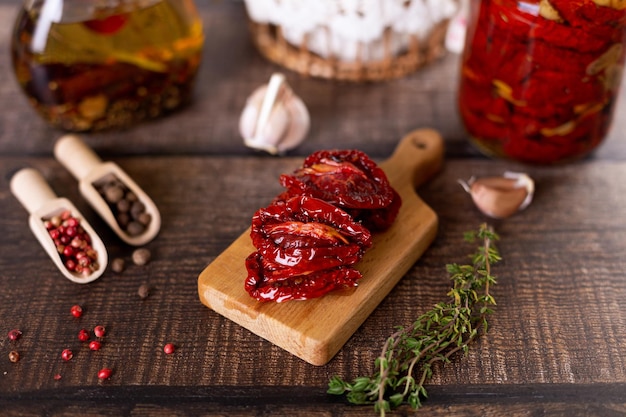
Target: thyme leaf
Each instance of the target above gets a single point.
(409, 354)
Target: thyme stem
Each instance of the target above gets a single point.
(448, 328)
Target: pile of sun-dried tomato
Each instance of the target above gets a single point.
(310, 237)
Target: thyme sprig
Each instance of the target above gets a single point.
(408, 355)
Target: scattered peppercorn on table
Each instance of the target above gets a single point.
(555, 343)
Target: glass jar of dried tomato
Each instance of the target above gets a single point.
(539, 78)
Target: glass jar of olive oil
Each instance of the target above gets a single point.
(90, 65)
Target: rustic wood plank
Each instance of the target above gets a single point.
(599, 400)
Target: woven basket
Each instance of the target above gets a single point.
(270, 41)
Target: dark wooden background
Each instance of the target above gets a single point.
(557, 341)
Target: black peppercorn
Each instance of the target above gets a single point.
(118, 265)
(143, 291)
(141, 256)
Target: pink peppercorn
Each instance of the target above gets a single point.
(76, 311)
(99, 331)
(83, 335)
(169, 348)
(14, 334)
(105, 373)
(70, 264)
(66, 355)
(68, 251)
(95, 345)
(71, 222)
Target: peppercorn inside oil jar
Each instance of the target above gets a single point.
(539, 78)
(89, 65)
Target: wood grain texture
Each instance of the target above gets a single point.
(559, 319)
(556, 342)
(316, 329)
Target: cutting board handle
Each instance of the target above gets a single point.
(417, 157)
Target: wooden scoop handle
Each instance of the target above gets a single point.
(76, 156)
(31, 189)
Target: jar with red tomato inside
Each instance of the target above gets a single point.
(539, 78)
(90, 65)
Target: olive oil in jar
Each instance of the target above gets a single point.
(86, 68)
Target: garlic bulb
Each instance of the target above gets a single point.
(274, 119)
(501, 197)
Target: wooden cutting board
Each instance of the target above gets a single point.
(315, 330)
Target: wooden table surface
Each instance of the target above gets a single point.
(557, 340)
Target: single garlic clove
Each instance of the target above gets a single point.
(274, 119)
(501, 197)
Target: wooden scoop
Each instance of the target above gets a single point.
(89, 170)
(32, 190)
(315, 330)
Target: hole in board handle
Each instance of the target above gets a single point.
(419, 144)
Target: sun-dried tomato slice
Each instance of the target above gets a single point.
(346, 178)
(306, 209)
(299, 287)
(304, 234)
(284, 263)
(379, 220)
(591, 16)
(107, 25)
